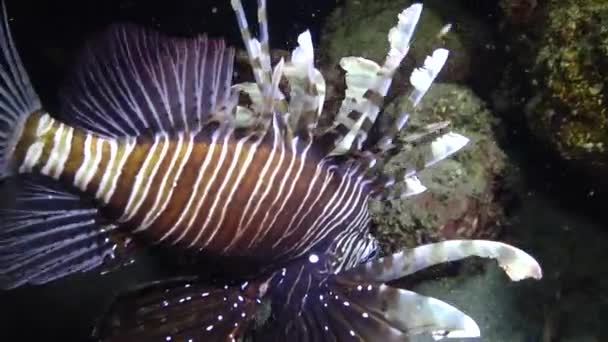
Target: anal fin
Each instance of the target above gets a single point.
(181, 310)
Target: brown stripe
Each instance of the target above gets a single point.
(76, 156)
(101, 168)
(244, 192)
(204, 211)
(374, 97)
(150, 197)
(126, 182)
(184, 189)
(342, 130)
(226, 231)
(355, 115)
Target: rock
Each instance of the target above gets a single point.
(360, 28)
(464, 198)
(569, 109)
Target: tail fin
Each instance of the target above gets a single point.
(17, 96)
(181, 310)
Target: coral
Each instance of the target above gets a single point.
(569, 110)
(462, 200)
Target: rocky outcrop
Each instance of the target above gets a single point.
(569, 107)
(464, 199)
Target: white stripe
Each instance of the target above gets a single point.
(64, 152)
(156, 209)
(243, 169)
(31, 157)
(44, 124)
(293, 286)
(339, 218)
(312, 185)
(54, 155)
(357, 227)
(286, 176)
(199, 204)
(240, 230)
(91, 168)
(269, 184)
(108, 169)
(146, 189)
(194, 194)
(128, 146)
(130, 211)
(295, 181)
(328, 211)
(86, 159)
(179, 171)
(329, 178)
(218, 195)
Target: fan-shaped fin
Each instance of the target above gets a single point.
(181, 310)
(310, 306)
(133, 81)
(17, 96)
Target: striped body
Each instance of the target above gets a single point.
(259, 197)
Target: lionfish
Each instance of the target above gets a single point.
(154, 144)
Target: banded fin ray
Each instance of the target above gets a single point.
(307, 87)
(180, 310)
(368, 83)
(134, 81)
(17, 96)
(422, 151)
(48, 233)
(516, 263)
(258, 52)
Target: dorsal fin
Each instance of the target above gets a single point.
(134, 80)
(368, 84)
(258, 52)
(307, 86)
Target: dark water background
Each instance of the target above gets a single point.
(559, 219)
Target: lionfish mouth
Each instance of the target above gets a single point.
(153, 132)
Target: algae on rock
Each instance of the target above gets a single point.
(569, 110)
